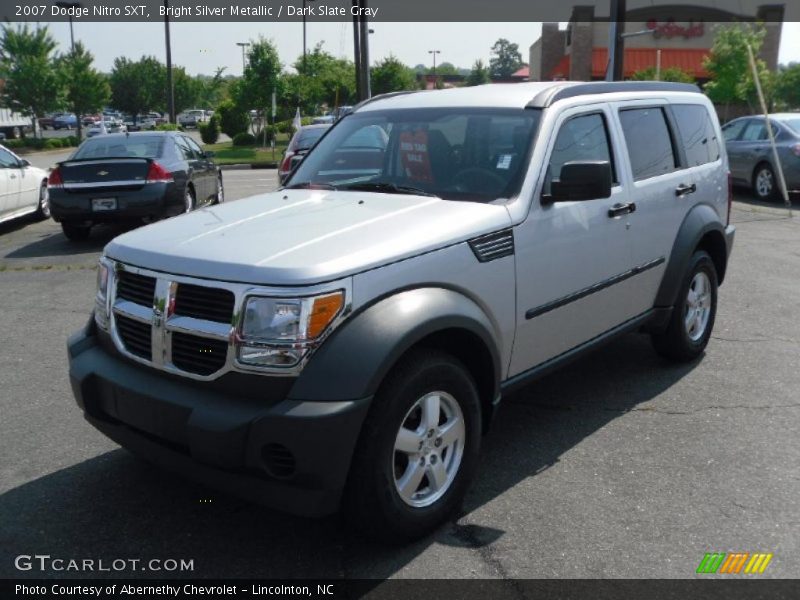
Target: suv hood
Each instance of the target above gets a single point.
(299, 237)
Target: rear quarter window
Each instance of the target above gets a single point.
(697, 134)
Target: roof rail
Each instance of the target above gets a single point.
(569, 90)
(383, 97)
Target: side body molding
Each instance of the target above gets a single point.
(701, 220)
(353, 362)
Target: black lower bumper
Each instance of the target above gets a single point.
(285, 454)
(148, 201)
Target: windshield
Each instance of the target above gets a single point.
(474, 154)
(140, 146)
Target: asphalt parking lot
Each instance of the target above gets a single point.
(619, 465)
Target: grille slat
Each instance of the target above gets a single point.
(198, 355)
(135, 336)
(493, 246)
(209, 304)
(139, 289)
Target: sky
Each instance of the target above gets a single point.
(202, 47)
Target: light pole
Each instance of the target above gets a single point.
(72, 5)
(434, 52)
(305, 51)
(244, 46)
(170, 87)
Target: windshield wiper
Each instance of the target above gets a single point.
(388, 188)
(310, 185)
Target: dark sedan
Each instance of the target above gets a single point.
(302, 141)
(131, 177)
(750, 153)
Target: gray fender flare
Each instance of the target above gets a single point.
(353, 362)
(700, 220)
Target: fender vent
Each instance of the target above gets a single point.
(493, 246)
(279, 460)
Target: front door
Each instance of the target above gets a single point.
(9, 183)
(572, 256)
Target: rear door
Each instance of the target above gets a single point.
(194, 171)
(732, 133)
(206, 169)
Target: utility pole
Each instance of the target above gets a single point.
(434, 52)
(170, 87)
(616, 42)
(244, 46)
(361, 50)
(73, 5)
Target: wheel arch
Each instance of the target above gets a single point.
(703, 229)
(360, 354)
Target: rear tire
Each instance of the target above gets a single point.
(693, 315)
(43, 211)
(76, 233)
(418, 449)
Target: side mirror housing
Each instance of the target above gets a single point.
(581, 180)
(24, 162)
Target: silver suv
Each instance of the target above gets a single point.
(345, 341)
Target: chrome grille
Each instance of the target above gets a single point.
(200, 302)
(136, 336)
(136, 288)
(199, 355)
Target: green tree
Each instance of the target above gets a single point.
(391, 75)
(87, 90)
(262, 76)
(232, 118)
(27, 66)
(186, 90)
(138, 86)
(729, 65)
(506, 59)
(323, 79)
(211, 90)
(675, 74)
(445, 68)
(787, 86)
(479, 74)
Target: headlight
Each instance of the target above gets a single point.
(279, 332)
(101, 298)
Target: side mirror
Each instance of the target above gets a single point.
(209, 154)
(581, 180)
(24, 162)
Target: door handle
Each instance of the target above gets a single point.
(621, 209)
(12, 176)
(683, 189)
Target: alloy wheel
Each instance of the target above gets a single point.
(698, 306)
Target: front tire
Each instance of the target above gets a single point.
(418, 449)
(693, 315)
(76, 233)
(764, 183)
(189, 202)
(220, 196)
(43, 211)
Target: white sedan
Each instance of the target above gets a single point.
(23, 188)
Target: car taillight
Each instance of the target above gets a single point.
(796, 149)
(158, 174)
(54, 180)
(730, 198)
(286, 165)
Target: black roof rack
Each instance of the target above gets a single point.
(570, 89)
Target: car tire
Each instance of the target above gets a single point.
(765, 186)
(189, 201)
(391, 494)
(76, 233)
(219, 197)
(43, 210)
(693, 315)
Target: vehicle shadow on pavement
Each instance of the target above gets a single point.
(55, 244)
(115, 506)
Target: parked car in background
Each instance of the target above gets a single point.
(65, 121)
(106, 126)
(13, 124)
(89, 120)
(146, 122)
(136, 176)
(323, 120)
(342, 111)
(46, 122)
(23, 188)
(191, 118)
(302, 141)
(750, 152)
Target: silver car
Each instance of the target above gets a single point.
(750, 154)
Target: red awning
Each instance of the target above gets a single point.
(639, 59)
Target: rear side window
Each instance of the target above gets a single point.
(755, 131)
(697, 134)
(648, 141)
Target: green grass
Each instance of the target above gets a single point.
(227, 154)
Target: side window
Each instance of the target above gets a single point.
(580, 138)
(755, 131)
(183, 148)
(697, 133)
(732, 130)
(648, 140)
(198, 152)
(7, 160)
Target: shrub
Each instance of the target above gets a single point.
(232, 119)
(15, 144)
(53, 143)
(71, 140)
(271, 132)
(244, 139)
(168, 127)
(209, 132)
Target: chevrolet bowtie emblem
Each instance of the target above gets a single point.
(102, 173)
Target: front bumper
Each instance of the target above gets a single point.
(286, 454)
